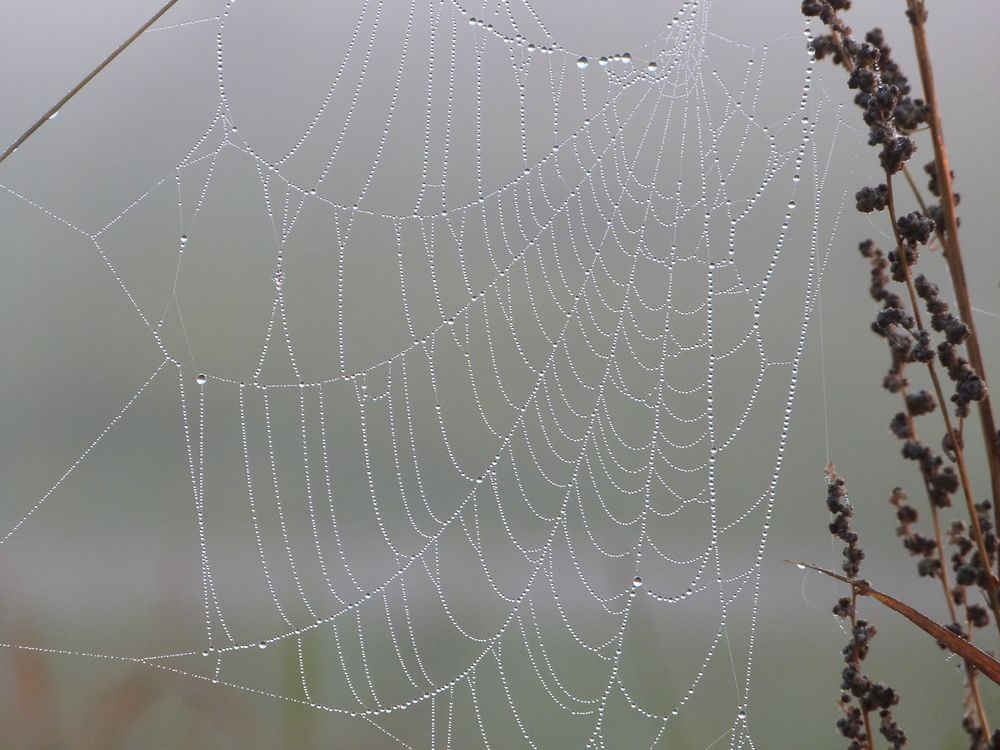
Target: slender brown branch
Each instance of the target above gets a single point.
(970, 675)
(76, 89)
(865, 712)
(936, 521)
(952, 248)
(954, 643)
(921, 202)
(963, 471)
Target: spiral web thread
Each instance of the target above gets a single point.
(467, 442)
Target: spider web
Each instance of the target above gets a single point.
(446, 358)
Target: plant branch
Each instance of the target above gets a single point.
(977, 699)
(952, 248)
(865, 711)
(954, 643)
(87, 79)
(963, 471)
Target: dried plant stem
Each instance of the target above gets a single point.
(984, 662)
(866, 713)
(970, 676)
(970, 673)
(938, 540)
(963, 471)
(952, 249)
(944, 566)
(923, 205)
(87, 79)
(919, 198)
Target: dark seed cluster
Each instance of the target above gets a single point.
(838, 504)
(916, 544)
(860, 695)
(906, 340)
(968, 565)
(892, 116)
(934, 210)
(872, 198)
(883, 91)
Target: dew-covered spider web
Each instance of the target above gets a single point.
(425, 365)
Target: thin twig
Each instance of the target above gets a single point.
(952, 250)
(970, 675)
(954, 643)
(963, 471)
(76, 89)
(865, 711)
(920, 198)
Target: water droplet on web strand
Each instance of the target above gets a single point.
(637, 582)
(603, 62)
(184, 240)
(201, 378)
(262, 644)
(627, 58)
(742, 715)
(651, 66)
(583, 62)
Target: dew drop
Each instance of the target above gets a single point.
(627, 57)
(651, 66)
(742, 715)
(201, 378)
(637, 582)
(184, 240)
(583, 62)
(262, 644)
(603, 62)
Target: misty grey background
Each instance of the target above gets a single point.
(109, 564)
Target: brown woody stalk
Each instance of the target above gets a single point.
(959, 459)
(865, 711)
(983, 662)
(953, 253)
(963, 472)
(86, 79)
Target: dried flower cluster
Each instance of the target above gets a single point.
(892, 115)
(860, 695)
(968, 565)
